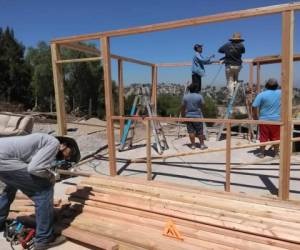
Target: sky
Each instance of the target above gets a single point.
(35, 21)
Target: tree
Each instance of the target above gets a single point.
(15, 73)
(39, 59)
(210, 109)
(168, 105)
(84, 84)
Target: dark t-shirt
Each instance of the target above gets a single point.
(233, 53)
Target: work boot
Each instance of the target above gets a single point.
(203, 146)
(46, 245)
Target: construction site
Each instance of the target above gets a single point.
(140, 185)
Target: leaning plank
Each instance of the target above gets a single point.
(89, 238)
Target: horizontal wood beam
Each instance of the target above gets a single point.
(213, 150)
(268, 10)
(272, 59)
(82, 48)
(188, 64)
(132, 60)
(75, 60)
(95, 51)
(184, 119)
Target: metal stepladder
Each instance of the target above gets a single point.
(142, 107)
(228, 114)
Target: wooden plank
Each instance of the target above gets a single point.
(200, 231)
(267, 201)
(82, 48)
(195, 152)
(75, 60)
(99, 187)
(258, 83)
(132, 234)
(131, 60)
(105, 48)
(251, 77)
(58, 90)
(121, 96)
(215, 217)
(89, 238)
(185, 119)
(185, 22)
(286, 103)
(95, 51)
(272, 59)
(148, 140)
(181, 64)
(188, 64)
(154, 87)
(243, 213)
(228, 156)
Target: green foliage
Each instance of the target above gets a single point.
(84, 83)
(168, 105)
(15, 74)
(39, 59)
(210, 109)
(25, 80)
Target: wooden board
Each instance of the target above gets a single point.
(203, 218)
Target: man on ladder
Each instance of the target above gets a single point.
(233, 51)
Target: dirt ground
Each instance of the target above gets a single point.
(249, 174)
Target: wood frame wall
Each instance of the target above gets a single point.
(286, 59)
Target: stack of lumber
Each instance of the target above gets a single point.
(133, 213)
(23, 206)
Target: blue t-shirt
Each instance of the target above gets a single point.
(193, 103)
(269, 104)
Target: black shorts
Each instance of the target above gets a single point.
(195, 128)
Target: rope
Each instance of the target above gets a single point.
(216, 75)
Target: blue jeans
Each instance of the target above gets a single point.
(39, 190)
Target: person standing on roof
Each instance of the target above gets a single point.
(198, 63)
(191, 108)
(266, 106)
(233, 51)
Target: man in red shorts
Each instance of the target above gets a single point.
(266, 106)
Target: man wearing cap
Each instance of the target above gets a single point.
(233, 51)
(24, 165)
(198, 63)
